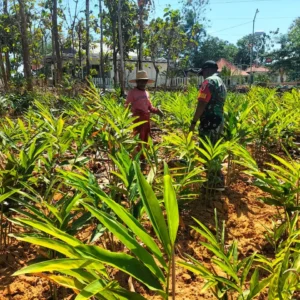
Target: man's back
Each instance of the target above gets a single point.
(218, 92)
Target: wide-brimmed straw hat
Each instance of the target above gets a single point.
(141, 75)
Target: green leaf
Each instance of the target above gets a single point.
(55, 212)
(285, 163)
(228, 283)
(218, 252)
(249, 261)
(84, 276)
(70, 283)
(271, 201)
(197, 268)
(92, 289)
(135, 227)
(210, 284)
(254, 279)
(171, 206)
(7, 195)
(259, 287)
(125, 295)
(123, 262)
(47, 228)
(210, 237)
(122, 234)
(60, 126)
(226, 269)
(56, 265)
(32, 149)
(49, 243)
(153, 210)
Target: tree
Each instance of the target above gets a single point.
(87, 38)
(286, 59)
(9, 41)
(25, 45)
(154, 41)
(129, 29)
(122, 69)
(55, 38)
(260, 46)
(294, 33)
(102, 71)
(3, 71)
(7, 60)
(112, 18)
(214, 48)
(142, 5)
(194, 19)
(166, 38)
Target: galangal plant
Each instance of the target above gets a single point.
(227, 278)
(83, 268)
(284, 271)
(184, 159)
(236, 128)
(212, 156)
(179, 109)
(282, 182)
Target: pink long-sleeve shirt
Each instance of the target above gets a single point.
(140, 102)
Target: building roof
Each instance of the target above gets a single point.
(234, 70)
(258, 69)
(36, 67)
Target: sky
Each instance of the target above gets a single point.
(232, 19)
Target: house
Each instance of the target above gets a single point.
(230, 73)
(277, 77)
(69, 56)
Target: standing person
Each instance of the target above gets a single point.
(211, 99)
(141, 106)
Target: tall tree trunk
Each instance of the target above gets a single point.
(7, 60)
(141, 26)
(25, 46)
(115, 58)
(3, 72)
(56, 43)
(73, 37)
(156, 72)
(87, 20)
(102, 71)
(168, 68)
(122, 71)
(113, 11)
(80, 47)
(53, 70)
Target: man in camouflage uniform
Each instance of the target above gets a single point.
(211, 99)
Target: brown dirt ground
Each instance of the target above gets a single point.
(238, 206)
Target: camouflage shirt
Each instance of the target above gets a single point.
(213, 92)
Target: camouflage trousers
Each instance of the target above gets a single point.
(214, 174)
(212, 134)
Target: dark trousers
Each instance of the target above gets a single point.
(214, 167)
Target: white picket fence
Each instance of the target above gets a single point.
(177, 81)
(171, 82)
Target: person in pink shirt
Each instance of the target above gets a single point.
(141, 106)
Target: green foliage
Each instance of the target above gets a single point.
(281, 182)
(88, 261)
(233, 271)
(213, 48)
(284, 269)
(70, 164)
(5, 105)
